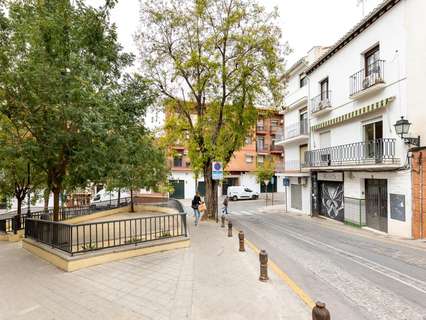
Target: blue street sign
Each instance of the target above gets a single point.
(217, 170)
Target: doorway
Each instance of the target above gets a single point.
(376, 203)
(178, 189)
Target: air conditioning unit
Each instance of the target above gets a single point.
(372, 79)
(324, 103)
(326, 158)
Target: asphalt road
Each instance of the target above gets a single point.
(360, 275)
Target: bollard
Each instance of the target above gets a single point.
(229, 229)
(263, 258)
(241, 238)
(222, 218)
(320, 312)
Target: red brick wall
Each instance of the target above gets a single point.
(419, 197)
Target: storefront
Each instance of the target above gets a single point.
(327, 195)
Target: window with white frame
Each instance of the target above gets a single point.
(260, 159)
(249, 158)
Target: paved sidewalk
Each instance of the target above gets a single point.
(210, 280)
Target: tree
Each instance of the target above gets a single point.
(17, 176)
(266, 170)
(212, 61)
(58, 62)
(142, 165)
(136, 161)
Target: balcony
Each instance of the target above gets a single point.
(295, 132)
(179, 163)
(321, 104)
(367, 80)
(262, 148)
(295, 168)
(374, 154)
(275, 129)
(277, 148)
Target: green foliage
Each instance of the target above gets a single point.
(266, 170)
(59, 62)
(212, 61)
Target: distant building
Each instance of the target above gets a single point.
(241, 170)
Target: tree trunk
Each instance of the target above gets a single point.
(46, 197)
(211, 194)
(132, 205)
(18, 213)
(119, 197)
(56, 193)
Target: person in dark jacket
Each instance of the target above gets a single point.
(225, 205)
(195, 204)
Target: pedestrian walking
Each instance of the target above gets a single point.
(225, 205)
(195, 204)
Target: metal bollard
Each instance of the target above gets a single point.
(241, 238)
(222, 219)
(263, 258)
(229, 229)
(320, 312)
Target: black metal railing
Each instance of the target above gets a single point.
(296, 129)
(262, 148)
(321, 101)
(78, 238)
(277, 148)
(11, 222)
(373, 74)
(380, 151)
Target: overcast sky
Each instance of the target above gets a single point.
(305, 23)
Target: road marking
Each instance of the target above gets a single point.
(284, 277)
(242, 213)
(405, 279)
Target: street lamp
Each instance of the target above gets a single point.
(402, 128)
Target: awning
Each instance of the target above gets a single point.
(354, 114)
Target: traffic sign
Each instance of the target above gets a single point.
(286, 182)
(217, 170)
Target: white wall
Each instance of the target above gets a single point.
(389, 32)
(249, 180)
(399, 182)
(189, 179)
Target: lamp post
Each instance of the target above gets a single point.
(402, 127)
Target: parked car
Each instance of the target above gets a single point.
(108, 198)
(239, 192)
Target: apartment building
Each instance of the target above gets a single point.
(241, 170)
(359, 91)
(295, 136)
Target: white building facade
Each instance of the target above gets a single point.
(295, 138)
(358, 89)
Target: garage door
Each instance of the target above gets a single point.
(296, 196)
(202, 188)
(179, 189)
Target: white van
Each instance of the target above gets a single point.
(239, 192)
(105, 198)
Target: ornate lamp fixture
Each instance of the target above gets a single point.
(402, 128)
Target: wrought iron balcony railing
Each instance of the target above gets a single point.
(321, 101)
(260, 128)
(275, 148)
(366, 78)
(380, 151)
(296, 129)
(262, 148)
